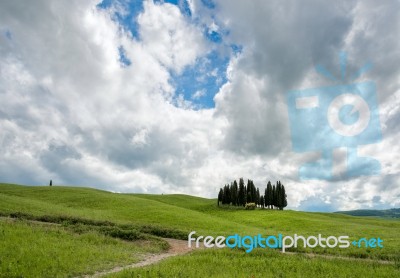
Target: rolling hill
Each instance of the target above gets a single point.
(86, 220)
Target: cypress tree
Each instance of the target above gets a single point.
(228, 195)
(234, 190)
(253, 193)
(258, 197)
(248, 192)
(220, 194)
(262, 201)
(245, 195)
(242, 193)
(273, 197)
(224, 195)
(268, 196)
(278, 195)
(284, 197)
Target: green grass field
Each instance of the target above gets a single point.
(70, 231)
(261, 263)
(43, 250)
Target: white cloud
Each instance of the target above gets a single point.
(199, 94)
(71, 113)
(168, 36)
(140, 138)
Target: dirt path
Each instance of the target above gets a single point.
(177, 247)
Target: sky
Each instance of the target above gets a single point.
(186, 96)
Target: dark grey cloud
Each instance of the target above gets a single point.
(56, 153)
(282, 43)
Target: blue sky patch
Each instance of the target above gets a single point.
(199, 83)
(128, 18)
(183, 5)
(208, 3)
(174, 2)
(185, 8)
(213, 36)
(123, 59)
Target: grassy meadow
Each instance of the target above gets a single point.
(46, 250)
(261, 263)
(70, 231)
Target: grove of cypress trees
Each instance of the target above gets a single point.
(232, 194)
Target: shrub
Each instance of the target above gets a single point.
(163, 232)
(250, 206)
(117, 232)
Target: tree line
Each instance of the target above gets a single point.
(240, 194)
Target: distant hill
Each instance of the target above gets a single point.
(386, 213)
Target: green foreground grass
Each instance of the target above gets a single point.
(133, 218)
(260, 263)
(47, 250)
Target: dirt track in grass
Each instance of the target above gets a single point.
(177, 247)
